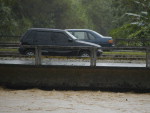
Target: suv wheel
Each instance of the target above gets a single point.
(84, 54)
(30, 53)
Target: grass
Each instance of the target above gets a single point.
(8, 50)
(125, 53)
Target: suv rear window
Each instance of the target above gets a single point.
(28, 37)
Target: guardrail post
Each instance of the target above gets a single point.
(93, 56)
(37, 55)
(148, 57)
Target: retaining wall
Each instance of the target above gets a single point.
(75, 77)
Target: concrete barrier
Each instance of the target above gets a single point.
(28, 76)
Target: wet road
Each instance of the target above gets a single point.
(75, 62)
(40, 101)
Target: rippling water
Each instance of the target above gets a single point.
(40, 101)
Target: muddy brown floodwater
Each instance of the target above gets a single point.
(41, 101)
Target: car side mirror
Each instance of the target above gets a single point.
(70, 40)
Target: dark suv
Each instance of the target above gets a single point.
(54, 37)
(92, 36)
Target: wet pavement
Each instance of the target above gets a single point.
(76, 62)
(40, 101)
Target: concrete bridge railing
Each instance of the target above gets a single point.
(93, 50)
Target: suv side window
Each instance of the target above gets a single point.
(43, 38)
(29, 37)
(81, 35)
(60, 38)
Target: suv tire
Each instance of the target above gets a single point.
(30, 53)
(84, 54)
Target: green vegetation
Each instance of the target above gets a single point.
(134, 20)
(127, 19)
(8, 50)
(125, 53)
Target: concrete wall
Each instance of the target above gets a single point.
(74, 77)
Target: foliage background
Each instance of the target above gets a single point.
(117, 18)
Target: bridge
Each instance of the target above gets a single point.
(91, 76)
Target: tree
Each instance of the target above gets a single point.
(137, 25)
(6, 19)
(100, 14)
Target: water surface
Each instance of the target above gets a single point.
(40, 101)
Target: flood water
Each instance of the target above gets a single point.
(41, 101)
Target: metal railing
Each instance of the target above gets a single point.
(9, 38)
(93, 51)
(38, 52)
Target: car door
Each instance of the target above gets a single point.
(62, 39)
